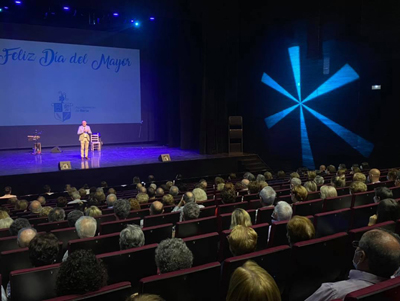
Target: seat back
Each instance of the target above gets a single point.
(130, 265)
(157, 234)
(329, 223)
(385, 290)
(161, 219)
(98, 244)
(118, 291)
(396, 192)
(37, 283)
(204, 248)
(254, 204)
(274, 260)
(196, 227)
(337, 203)
(309, 256)
(117, 226)
(307, 208)
(356, 234)
(104, 219)
(361, 214)
(47, 227)
(65, 235)
(363, 198)
(5, 232)
(139, 213)
(277, 235)
(185, 285)
(313, 196)
(264, 215)
(38, 220)
(228, 208)
(8, 243)
(12, 261)
(207, 211)
(250, 197)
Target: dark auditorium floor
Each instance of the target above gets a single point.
(23, 162)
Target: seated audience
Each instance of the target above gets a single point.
(268, 176)
(45, 211)
(240, 217)
(174, 191)
(267, 195)
(168, 200)
(251, 282)
(43, 249)
(142, 198)
(245, 183)
(242, 240)
(199, 195)
(249, 176)
(76, 199)
(73, 216)
(322, 169)
(327, 192)
(56, 215)
(299, 228)
(280, 174)
(8, 193)
(364, 166)
(18, 224)
(388, 210)
(375, 260)
(134, 204)
(254, 187)
(5, 220)
(131, 237)
(82, 193)
(295, 182)
(282, 212)
(357, 186)
(91, 275)
(228, 196)
(122, 208)
(93, 211)
(331, 170)
(374, 175)
(294, 175)
(358, 176)
(382, 193)
(190, 211)
(311, 175)
(25, 235)
(311, 186)
(21, 205)
(338, 181)
(111, 199)
(144, 297)
(392, 174)
(41, 200)
(319, 180)
(61, 202)
(172, 254)
(159, 192)
(260, 178)
(156, 208)
(99, 196)
(299, 194)
(152, 193)
(220, 186)
(239, 186)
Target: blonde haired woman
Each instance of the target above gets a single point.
(240, 217)
(328, 192)
(93, 211)
(252, 282)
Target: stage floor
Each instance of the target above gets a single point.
(23, 162)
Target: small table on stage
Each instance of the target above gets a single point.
(37, 146)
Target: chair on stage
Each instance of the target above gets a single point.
(95, 142)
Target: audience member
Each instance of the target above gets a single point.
(131, 237)
(21, 205)
(93, 211)
(242, 240)
(43, 249)
(327, 192)
(338, 181)
(373, 176)
(45, 211)
(240, 217)
(190, 211)
(168, 200)
(294, 175)
(311, 175)
(111, 199)
(134, 204)
(61, 201)
(144, 297)
(268, 176)
(82, 193)
(5, 220)
(364, 166)
(358, 176)
(295, 182)
(25, 235)
(392, 174)
(388, 210)
(42, 200)
(299, 228)
(159, 192)
(152, 193)
(245, 183)
(122, 208)
(251, 282)
(56, 215)
(156, 208)
(172, 254)
(282, 212)
(331, 170)
(220, 186)
(299, 194)
(142, 198)
(174, 191)
(357, 186)
(267, 195)
(375, 260)
(91, 275)
(73, 216)
(382, 193)
(249, 176)
(322, 169)
(18, 224)
(8, 193)
(228, 196)
(199, 195)
(280, 174)
(260, 178)
(319, 180)
(254, 187)
(311, 186)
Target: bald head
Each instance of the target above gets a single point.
(159, 192)
(42, 200)
(25, 236)
(374, 175)
(188, 197)
(245, 182)
(156, 208)
(35, 207)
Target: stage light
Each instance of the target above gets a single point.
(152, 18)
(18, 2)
(132, 21)
(5, 7)
(1, 10)
(115, 14)
(66, 8)
(137, 24)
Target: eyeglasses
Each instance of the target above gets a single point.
(355, 243)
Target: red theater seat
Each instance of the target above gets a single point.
(47, 227)
(65, 235)
(157, 234)
(228, 208)
(8, 243)
(329, 223)
(161, 219)
(307, 208)
(254, 204)
(337, 203)
(356, 234)
(204, 248)
(12, 261)
(386, 290)
(118, 291)
(196, 227)
(139, 213)
(361, 215)
(117, 226)
(5, 233)
(98, 244)
(130, 265)
(264, 215)
(250, 197)
(363, 198)
(207, 211)
(198, 283)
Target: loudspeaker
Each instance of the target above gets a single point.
(164, 158)
(56, 149)
(64, 165)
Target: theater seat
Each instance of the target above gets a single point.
(161, 219)
(130, 265)
(35, 283)
(5, 233)
(118, 291)
(363, 198)
(264, 215)
(317, 261)
(207, 211)
(307, 208)
(204, 248)
(12, 261)
(117, 226)
(396, 192)
(65, 235)
(274, 260)
(157, 234)
(8, 243)
(194, 284)
(98, 244)
(360, 215)
(196, 227)
(277, 235)
(356, 234)
(139, 213)
(386, 290)
(337, 203)
(254, 204)
(47, 227)
(329, 223)
(228, 208)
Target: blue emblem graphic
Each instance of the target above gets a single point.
(62, 110)
(342, 77)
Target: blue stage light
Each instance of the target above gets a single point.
(342, 77)
(137, 24)
(1, 10)
(5, 7)
(132, 21)
(152, 18)
(66, 8)
(115, 14)
(18, 2)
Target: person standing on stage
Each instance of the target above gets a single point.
(83, 132)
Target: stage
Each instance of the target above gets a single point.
(116, 164)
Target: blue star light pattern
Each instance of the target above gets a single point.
(342, 77)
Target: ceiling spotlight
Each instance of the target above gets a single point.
(115, 14)
(152, 18)
(132, 21)
(66, 8)
(137, 24)
(1, 10)
(18, 2)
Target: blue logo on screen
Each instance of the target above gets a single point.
(62, 110)
(342, 77)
